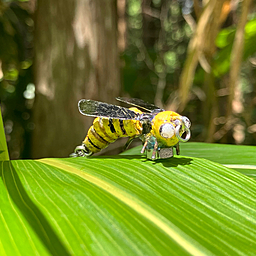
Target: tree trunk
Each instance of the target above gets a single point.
(76, 56)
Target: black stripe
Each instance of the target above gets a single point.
(93, 131)
(111, 126)
(121, 122)
(87, 149)
(93, 144)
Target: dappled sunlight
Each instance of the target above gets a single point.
(185, 56)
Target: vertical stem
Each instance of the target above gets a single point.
(236, 55)
(210, 106)
(4, 155)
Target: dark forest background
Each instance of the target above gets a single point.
(191, 56)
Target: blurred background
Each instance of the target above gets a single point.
(197, 57)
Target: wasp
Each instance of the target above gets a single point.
(159, 130)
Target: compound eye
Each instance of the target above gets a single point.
(167, 130)
(186, 121)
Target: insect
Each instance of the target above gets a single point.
(158, 129)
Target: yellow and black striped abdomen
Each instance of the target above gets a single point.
(106, 130)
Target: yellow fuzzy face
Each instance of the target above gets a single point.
(163, 126)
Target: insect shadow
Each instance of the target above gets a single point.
(174, 161)
(168, 162)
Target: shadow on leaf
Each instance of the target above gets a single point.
(168, 162)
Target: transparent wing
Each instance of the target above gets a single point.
(101, 109)
(140, 104)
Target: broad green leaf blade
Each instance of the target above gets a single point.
(238, 157)
(125, 205)
(4, 155)
(221, 153)
(241, 158)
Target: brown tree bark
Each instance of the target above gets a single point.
(76, 56)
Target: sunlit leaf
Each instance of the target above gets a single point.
(125, 205)
(3, 146)
(241, 158)
(225, 37)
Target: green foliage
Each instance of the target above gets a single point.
(157, 39)
(238, 157)
(16, 35)
(225, 41)
(125, 205)
(3, 147)
(15, 39)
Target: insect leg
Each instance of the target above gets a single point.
(154, 150)
(144, 147)
(81, 151)
(129, 141)
(177, 146)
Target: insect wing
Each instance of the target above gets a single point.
(140, 104)
(101, 109)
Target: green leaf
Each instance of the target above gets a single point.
(225, 37)
(225, 41)
(125, 205)
(238, 157)
(3, 146)
(221, 153)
